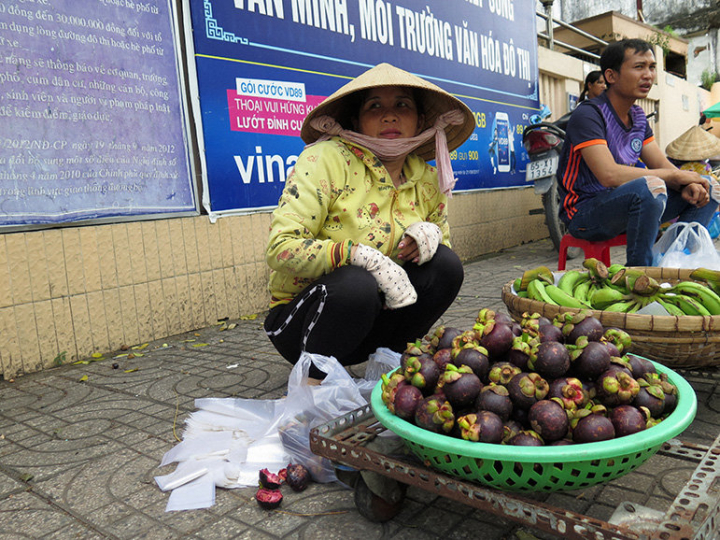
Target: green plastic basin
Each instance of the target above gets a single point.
(547, 468)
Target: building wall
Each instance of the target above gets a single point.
(688, 19)
(71, 292)
(66, 294)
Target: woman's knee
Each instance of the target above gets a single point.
(443, 272)
(450, 265)
(353, 286)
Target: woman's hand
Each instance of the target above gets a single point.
(420, 242)
(408, 250)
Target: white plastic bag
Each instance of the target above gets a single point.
(227, 441)
(309, 406)
(381, 361)
(686, 245)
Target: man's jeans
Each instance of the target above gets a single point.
(632, 209)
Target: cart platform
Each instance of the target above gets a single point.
(693, 515)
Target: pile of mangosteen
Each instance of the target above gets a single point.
(269, 496)
(534, 382)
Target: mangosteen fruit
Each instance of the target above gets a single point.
(526, 388)
(671, 395)
(503, 318)
(531, 322)
(550, 332)
(510, 429)
(570, 390)
(495, 398)
(416, 349)
(593, 428)
(422, 372)
(502, 372)
(442, 358)
(652, 397)
(270, 480)
(620, 364)
(612, 348)
(551, 360)
(407, 399)
(548, 419)
(519, 353)
(298, 476)
(581, 324)
(619, 338)
(526, 437)
(389, 386)
(268, 499)
(465, 338)
(443, 337)
(615, 387)
(640, 366)
(627, 420)
(589, 359)
(435, 414)
(483, 426)
(475, 357)
(520, 416)
(461, 386)
(496, 337)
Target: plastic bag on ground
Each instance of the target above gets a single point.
(686, 245)
(381, 361)
(307, 406)
(227, 441)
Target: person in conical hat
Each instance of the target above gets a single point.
(693, 149)
(359, 244)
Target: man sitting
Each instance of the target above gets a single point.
(603, 193)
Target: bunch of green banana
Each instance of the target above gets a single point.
(621, 289)
(539, 284)
(693, 298)
(711, 277)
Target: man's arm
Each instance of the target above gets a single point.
(611, 174)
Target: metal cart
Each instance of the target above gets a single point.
(693, 515)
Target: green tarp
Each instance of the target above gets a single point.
(713, 111)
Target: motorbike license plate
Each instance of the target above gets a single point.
(541, 168)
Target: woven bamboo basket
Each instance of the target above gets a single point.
(688, 341)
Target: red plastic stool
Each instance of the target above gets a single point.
(598, 250)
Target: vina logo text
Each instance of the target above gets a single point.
(264, 169)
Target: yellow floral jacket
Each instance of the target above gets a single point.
(340, 194)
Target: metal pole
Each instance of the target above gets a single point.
(547, 4)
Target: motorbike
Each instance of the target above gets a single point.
(543, 142)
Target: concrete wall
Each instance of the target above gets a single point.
(68, 293)
(71, 292)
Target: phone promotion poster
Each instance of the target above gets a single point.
(261, 66)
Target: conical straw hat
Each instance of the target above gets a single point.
(435, 101)
(694, 144)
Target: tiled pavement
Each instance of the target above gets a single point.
(81, 444)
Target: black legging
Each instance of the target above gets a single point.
(341, 314)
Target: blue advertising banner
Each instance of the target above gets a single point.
(93, 121)
(263, 65)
